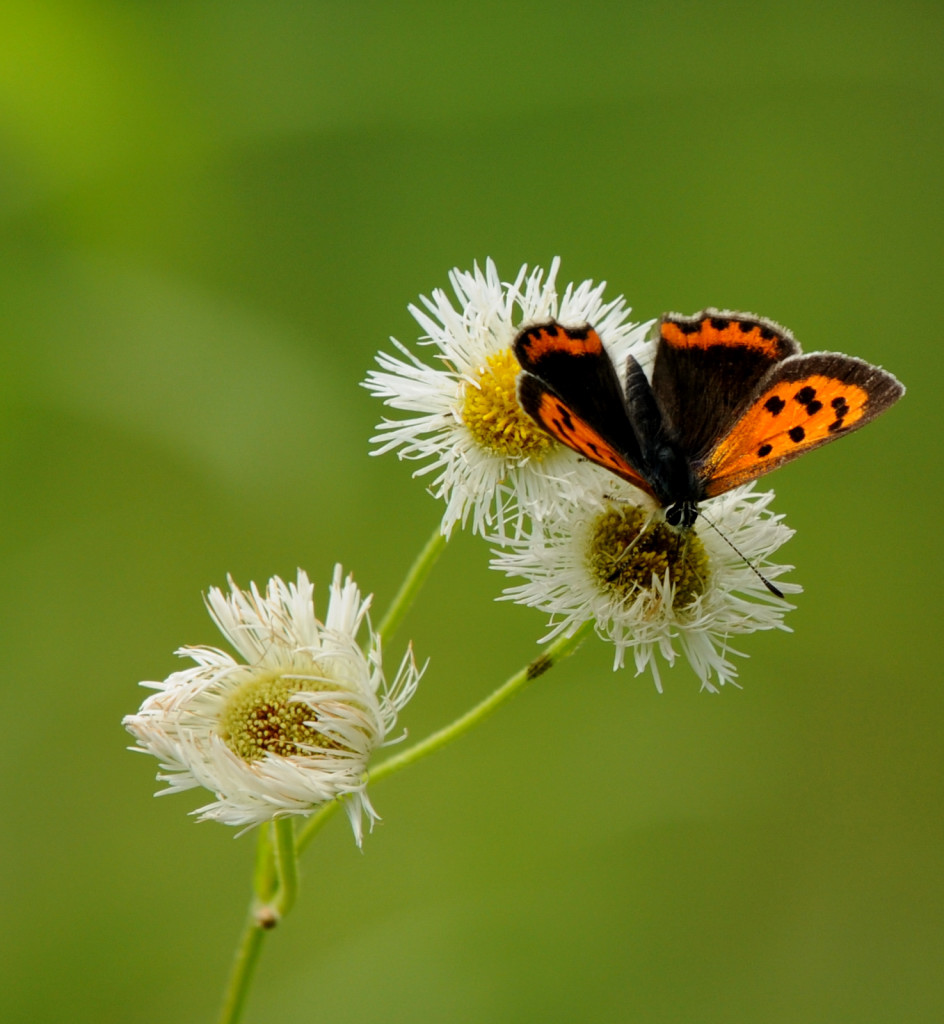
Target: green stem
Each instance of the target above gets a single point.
(314, 825)
(287, 864)
(410, 587)
(247, 956)
(254, 931)
(550, 656)
(263, 879)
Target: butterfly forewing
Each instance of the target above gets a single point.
(707, 365)
(802, 403)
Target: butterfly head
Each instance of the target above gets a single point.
(682, 514)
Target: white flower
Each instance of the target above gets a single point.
(290, 727)
(488, 458)
(650, 588)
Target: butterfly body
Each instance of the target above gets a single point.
(731, 398)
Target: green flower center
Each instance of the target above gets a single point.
(624, 553)
(491, 412)
(260, 717)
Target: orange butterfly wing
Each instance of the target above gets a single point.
(558, 361)
(707, 366)
(800, 404)
(568, 428)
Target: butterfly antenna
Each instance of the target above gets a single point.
(747, 561)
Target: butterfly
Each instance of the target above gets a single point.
(731, 398)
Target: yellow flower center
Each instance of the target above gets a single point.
(624, 554)
(491, 412)
(260, 717)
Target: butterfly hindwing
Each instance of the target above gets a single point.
(568, 384)
(558, 419)
(707, 365)
(801, 403)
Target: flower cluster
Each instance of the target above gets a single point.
(588, 545)
(290, 725)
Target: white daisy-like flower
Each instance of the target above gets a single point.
(649, 588)
(488, 459)
(292, 725)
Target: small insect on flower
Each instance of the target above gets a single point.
(731, 397)
(291, 726)
(649, 588)
(488, 458)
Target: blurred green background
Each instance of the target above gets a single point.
(213, 214)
